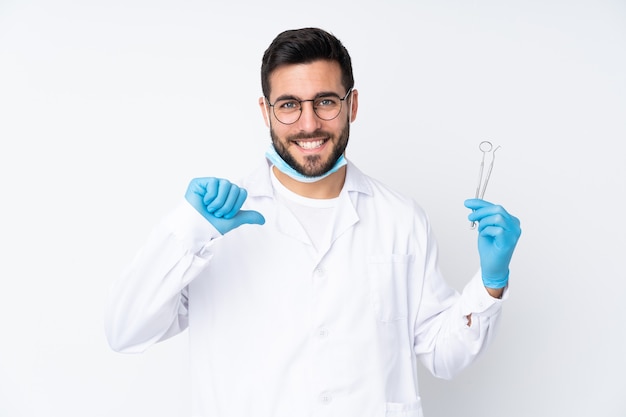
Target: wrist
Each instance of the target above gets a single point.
(495, 292)
(495, 281)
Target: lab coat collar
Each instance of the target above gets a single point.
(259, 185)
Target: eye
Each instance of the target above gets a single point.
(326, 102)
(287, 105)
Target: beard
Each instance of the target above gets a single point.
(313, 165)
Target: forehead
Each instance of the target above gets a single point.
(306, 80)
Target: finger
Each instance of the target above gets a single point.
(476, 203)
(223, 190)
(497, 220)
(504, 233)
(199, 191)
(238, 202)
(486, 211)
(230, 203)
(504, 221)
(491, 231)
(210, 186)
(500, 243)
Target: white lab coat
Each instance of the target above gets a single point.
(278, 329)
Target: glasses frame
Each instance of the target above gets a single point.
(312, 100)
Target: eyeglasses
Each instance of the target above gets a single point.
(326, 107)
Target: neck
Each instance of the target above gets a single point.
(328, 187)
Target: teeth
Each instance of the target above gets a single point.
(311, 144)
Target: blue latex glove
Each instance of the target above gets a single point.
(498, 233)
(220, 201)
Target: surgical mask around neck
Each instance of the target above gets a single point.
(283, 167)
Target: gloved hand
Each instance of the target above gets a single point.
(498, 233)
(219, 201)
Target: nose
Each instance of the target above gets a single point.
(308, 121)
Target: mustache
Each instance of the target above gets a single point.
(310, 135)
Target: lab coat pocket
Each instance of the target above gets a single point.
(412, 409)
(388, 279)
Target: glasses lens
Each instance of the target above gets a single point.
(287, 111)
(327, 108)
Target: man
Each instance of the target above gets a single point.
(310, 288)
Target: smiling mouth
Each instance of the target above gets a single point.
(311, 144)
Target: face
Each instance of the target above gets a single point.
(311, 145)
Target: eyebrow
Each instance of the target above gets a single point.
(318, 95)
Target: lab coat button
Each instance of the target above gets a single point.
(319, 272)
(325, 398)
(322, 333)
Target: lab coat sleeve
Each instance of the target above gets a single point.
(148, 303)
(444, 341)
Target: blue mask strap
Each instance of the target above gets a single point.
(283, 167)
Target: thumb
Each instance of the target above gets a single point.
(224, 225)
(249, 217)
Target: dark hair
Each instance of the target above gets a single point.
(303, 46)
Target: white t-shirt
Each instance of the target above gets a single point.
(317, 216)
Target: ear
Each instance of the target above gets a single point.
(354, 102)
(264, 111)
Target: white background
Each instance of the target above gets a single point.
(108, 109)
